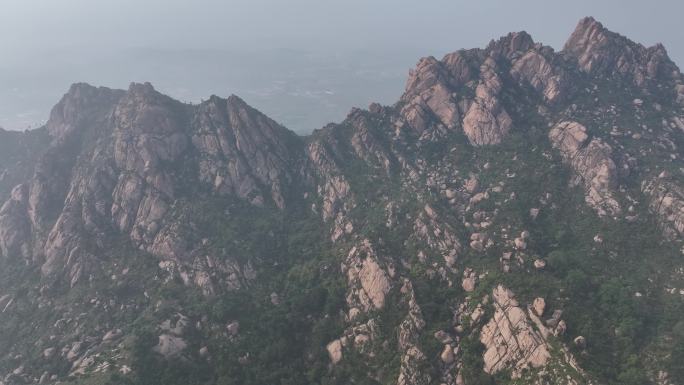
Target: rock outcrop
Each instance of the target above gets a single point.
(462, 90)
(535, 70)
(592, 164)
(539, 305)
(335, 351)
(511, 341)
(413, 360)
(15, 228)
(429, 97)
(170, 346)
(486, 121)
(368, 281)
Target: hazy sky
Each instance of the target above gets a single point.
(47, 44)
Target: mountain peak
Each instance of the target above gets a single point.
(76, 108)
(601, 51)
(589, 31)
(80, 87)
(514, 42)
(587, 23)
(236, 101)
(141, 87)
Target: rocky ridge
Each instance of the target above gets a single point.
(400, 225)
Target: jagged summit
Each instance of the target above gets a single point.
(601, 51)
(145, 87)
(79, 106)
(511, 44)
(590, 29)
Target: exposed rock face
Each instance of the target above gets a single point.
(469, 280)
(233, 328)
(112, 335)
(679, 90)
(511, 46)
(486, 121)
(15, 229)
(335, 351)
(569, 138)
(600, 51)
(368, 281)
(447, 355)
(324, 152)
(435, 99)
(666, 201)
(170, 346)
(539, 305)
(510, 340)
(77, 119)
(74, 124)
(534, 69)
(242, 150)
(79, 108)
(428, 94)
(437, 235)
(591, 161)
(412, 359)
(148, 135)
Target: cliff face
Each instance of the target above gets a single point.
(142, 233)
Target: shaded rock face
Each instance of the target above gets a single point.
(15, 229)
(679, 89)
(75, 123)
(242, 152)
(600, 51)
(77, 120)
(510, 340)
(79, 109)
(19, 153)
(591, 161)
(666, 201)
(333, 187)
